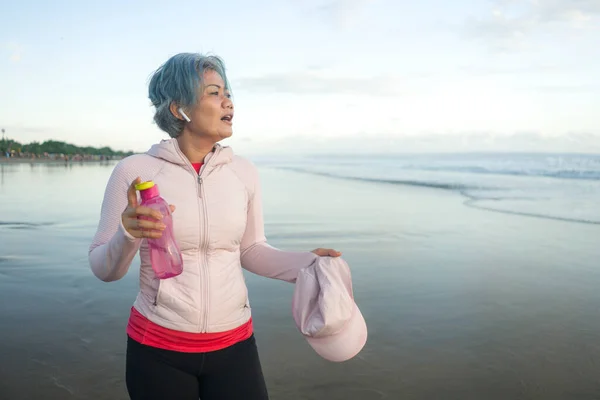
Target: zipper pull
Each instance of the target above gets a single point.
(199, 186)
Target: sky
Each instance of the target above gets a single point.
(342, 75)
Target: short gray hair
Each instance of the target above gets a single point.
(177, 80)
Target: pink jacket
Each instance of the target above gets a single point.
(218, 225)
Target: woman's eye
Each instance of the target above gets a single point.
(214, 93)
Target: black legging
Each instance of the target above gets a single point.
(233, 373)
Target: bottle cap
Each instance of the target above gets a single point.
(144, 185)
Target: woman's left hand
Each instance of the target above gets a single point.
(326, 252)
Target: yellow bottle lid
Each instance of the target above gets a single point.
(144, 185)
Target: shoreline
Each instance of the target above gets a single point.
(8, 161)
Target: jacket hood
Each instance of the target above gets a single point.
(169, 151)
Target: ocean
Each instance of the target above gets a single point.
(554, 186)
(477, 275)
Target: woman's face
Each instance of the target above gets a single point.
(212, 116)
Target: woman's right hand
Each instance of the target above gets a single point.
(138, 227)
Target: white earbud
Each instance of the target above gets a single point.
(184, 115)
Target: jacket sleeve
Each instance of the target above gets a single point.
(257, 256)
(113, 248)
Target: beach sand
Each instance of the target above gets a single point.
(460, 303)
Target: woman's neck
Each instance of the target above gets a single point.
(195, 149)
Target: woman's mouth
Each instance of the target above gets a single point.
(227, 119)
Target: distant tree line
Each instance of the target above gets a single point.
(58, 148)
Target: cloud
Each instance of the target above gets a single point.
(571, 11)
(566, 89)
(495, 70)
(344, 14)
(312, 83)
(512, 22)
(15, 51)
(499, 31)
(432, 142)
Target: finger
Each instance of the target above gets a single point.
(129, 212)
(327, 252)
(148, 212)
(145, 224)
(145, 234)
(172, 207)
(318, 252)
(132, 193)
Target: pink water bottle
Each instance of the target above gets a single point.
(165, 256)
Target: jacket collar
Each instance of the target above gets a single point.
(169, 151)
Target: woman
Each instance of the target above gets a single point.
(191, 336)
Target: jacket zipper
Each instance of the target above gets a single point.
(201, 273)
(204, 235)
(203, 276)
(204, 251)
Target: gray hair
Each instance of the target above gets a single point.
(177, 80)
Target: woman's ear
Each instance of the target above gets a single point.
(184, 115)
(178, 112)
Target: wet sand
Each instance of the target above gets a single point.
(460, 303)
